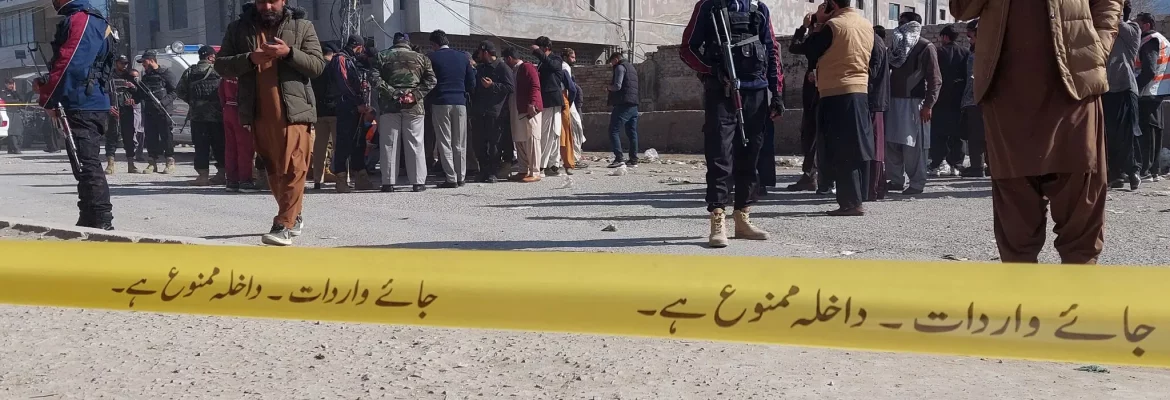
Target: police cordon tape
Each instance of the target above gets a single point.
(1094, 314)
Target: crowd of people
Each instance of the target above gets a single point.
(1056, 117)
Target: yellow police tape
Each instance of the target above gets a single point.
(1063, 313)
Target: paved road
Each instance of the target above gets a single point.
(98, 354)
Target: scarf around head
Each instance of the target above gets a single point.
(905, 37)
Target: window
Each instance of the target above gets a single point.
(910, 9)
(178, 11)
(860, 4)
(895, 10)
(402, 4)
(942, 14)
(592, 5)
(16, 28)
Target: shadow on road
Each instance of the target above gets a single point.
(543, 244)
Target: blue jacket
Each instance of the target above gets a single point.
(700, 31)
(455, 75)
(345, 79)
(79, 42)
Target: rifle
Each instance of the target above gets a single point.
(60, 122)
(731, 86)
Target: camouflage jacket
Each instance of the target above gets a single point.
(198, 87)
(403, 71)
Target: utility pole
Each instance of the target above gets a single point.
(633, 29)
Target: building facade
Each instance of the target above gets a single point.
(593, 28)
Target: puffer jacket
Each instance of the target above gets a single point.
(1085, 30)
(303, 63)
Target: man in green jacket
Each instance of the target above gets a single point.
(273, 50)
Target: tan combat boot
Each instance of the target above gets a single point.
(202, 179)
(361, 181)
(151, 166)
(219, 179)
(744, 228)
(110, 165)
(341, 182)
(130, 167)
(170, 166)
(718, 237)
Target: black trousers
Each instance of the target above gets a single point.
(93, 192)
(808, 138)
(974, 133)
(846, 127)
(1150, 143)
(121, 128)
(729, 162)
(159, 138)
(488, 132)
(13, 143)
(349, 145)
(946, 137)
(1121, 113)
(766, 166)
(209, 141)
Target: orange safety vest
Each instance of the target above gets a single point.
(1157, 86)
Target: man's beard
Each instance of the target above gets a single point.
(269, 19)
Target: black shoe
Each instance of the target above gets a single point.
(1134, 182)
(232, 187)
(278, 236)
(616, 163)
(387, 188)
(805, 183)
(490, 179)
(298, 227)
(418, 188)
(249, 187)
(447, 185)
(1117, 184)
(972, 172)
(911, 191)
(633, 162)
(891, 187)
(316, 186)
(552, 171)
(461, 183)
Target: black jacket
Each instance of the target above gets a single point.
(551, 86)
(490, 101)
(879, 76)
(952, 63)
(162, 83)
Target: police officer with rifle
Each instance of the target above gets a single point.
(199, 87)
(76, 95)
(122, 116)
(730, 44)
(158, 91)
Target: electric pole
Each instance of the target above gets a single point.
(633, 29)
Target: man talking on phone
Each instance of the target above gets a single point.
(845, 40)
(756, 59)
(273, 50)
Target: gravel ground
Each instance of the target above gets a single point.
(99, 354)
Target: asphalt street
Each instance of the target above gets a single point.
(656, 208)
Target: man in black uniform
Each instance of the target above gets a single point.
(756, 59)
(78, 86)
(156, 114)
(199, 87)
(15, 134)
(121, 117)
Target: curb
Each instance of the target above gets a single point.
(68, 232)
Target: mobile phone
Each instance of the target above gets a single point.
(272, 41)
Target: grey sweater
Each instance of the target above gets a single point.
(1120, 67)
